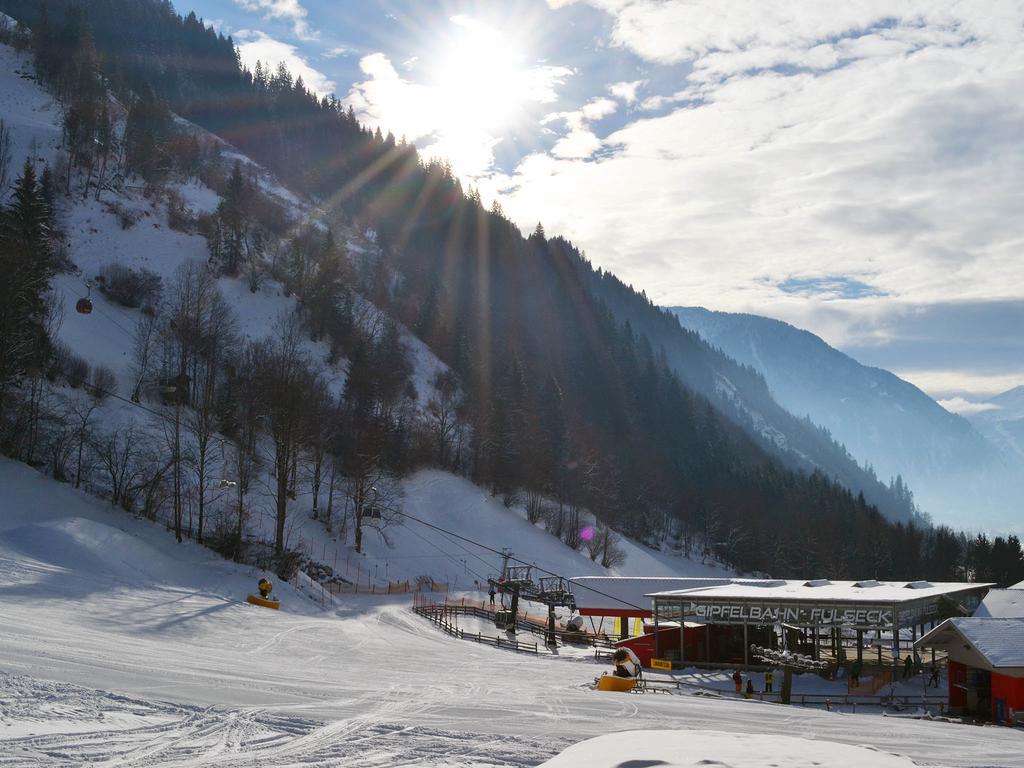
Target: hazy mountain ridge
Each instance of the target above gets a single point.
(740, 391)
(951, 463)
(1003, 424)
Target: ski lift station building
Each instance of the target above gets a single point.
(986, 657)
(716, 620)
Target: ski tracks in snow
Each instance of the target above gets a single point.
(45, 724)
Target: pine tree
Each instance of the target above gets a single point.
(26, 265)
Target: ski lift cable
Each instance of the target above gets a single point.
(523, 562)
(468, 552)
(94, 308)
(225, 441)
(439, 549)
(451, 534)
(222, 440)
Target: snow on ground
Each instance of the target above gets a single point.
(118, 645)
(410, 548)
(683, 749)
(32, 116)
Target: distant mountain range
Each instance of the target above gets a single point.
(964, 472)
(1003, 424)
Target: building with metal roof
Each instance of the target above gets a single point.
(717, 620)
(986, 664)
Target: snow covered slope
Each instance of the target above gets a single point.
(686, 749)
(120, 647)
(126, 227)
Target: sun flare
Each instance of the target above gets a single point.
(480, 75)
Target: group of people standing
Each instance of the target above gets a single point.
(769, 682)
(911, 666)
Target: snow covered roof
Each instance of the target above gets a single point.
(821, 590)
(1002, 604)
(627, 594)
(1019, 585)
(996, 644)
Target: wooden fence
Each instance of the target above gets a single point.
(535, 624)
(439, 614)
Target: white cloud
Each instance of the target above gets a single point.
(458, 103)
(597, 109)
(338, 50)
(579, 143)
(951, 385)
(258, 46)
(966, 407)
(625, 91)
(851, 140)
(291, 10)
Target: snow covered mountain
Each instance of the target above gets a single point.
(740, 390)
(1003, 421)
(955, 473)
(130, 226)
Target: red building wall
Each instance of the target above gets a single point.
(1010, 690)
(957, 678)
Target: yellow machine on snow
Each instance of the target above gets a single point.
(265, 599)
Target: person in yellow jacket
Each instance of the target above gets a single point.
(769, 680)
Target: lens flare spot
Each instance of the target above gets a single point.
(587, 533)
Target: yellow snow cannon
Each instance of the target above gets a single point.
(627, 672)
(618, 684)
(264, 599)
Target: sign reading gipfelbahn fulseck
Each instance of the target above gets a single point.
(801, 614)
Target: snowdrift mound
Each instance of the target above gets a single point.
(90, 549)
(683, 749)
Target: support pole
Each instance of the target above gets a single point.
(657, 634)
(682, 637)
(746, 647)
(860, 646)
(511, 628)
(895, 640)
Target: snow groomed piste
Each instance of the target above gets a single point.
(169, 667)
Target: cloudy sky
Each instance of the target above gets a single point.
(855, 168)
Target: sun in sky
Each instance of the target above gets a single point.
(473, 84)
(480, 75)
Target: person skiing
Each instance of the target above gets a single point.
(490, 593)
(769, 680)
(855, 669)
(934, 678)
(750, 689)
(737, 678)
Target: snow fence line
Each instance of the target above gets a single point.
(438, 614)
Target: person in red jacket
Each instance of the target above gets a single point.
(738, 679)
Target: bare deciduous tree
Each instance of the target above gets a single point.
(442, 414)
(285, 378)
